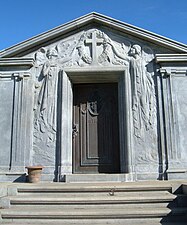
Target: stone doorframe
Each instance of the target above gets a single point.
(118, 75)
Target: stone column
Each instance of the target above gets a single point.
(66, 126)
(125, 118)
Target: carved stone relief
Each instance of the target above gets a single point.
(46, 105)
(95, 48)
(92, 47)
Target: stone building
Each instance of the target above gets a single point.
(94, 97)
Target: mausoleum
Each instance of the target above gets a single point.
(94, 98)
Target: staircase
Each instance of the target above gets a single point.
(138, 203)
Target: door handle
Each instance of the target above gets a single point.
(75, 129)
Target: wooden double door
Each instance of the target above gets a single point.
(95, 128)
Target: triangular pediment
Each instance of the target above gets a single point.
(116, 31)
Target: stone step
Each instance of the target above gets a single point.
(100, 206)
(102, 187)
(94, 203)
(106, 198)
(139, 221)
(117, 216)
(109, 193)
(90, 213)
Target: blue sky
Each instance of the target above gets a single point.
(23, 19)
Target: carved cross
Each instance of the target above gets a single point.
(94, 41)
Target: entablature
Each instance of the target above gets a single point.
(172, 64)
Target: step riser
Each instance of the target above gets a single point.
(99, 206)
(154, 221)
(94, 194)
(95, 213)
(57, 217)
(32, 189)
(8, 203)
(91, 202)
(94, 220)
(94, 198)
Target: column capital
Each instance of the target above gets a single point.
(165, 72)
(20, 75)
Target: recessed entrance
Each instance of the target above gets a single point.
(72, 157)
(96, 128)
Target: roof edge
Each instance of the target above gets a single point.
(81, 21)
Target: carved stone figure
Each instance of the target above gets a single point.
(106, 56)
(83, 58)
(142, 92)
(142, 88)
(45, 115)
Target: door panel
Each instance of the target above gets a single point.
(96, 136)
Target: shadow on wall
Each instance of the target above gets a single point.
(178, 207)
(22, 179)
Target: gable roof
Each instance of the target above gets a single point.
(93, 17)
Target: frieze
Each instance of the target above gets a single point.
(92, 47)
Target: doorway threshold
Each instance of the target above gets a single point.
(87, 178)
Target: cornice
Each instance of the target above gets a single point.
(22, 62)
(170, 58)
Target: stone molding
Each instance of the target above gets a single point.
(172, 64)
(167, 58)
(22, 62)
